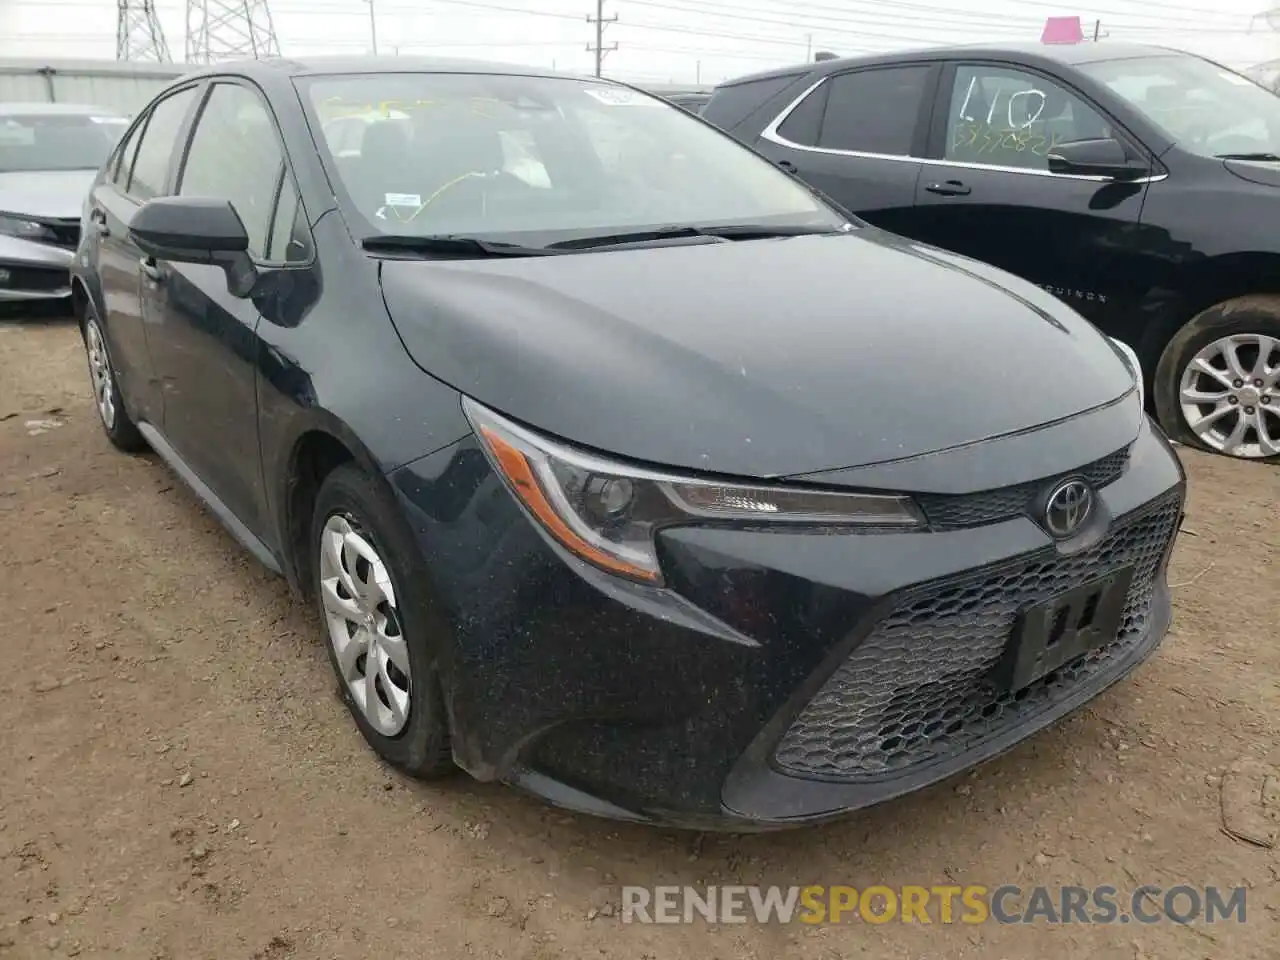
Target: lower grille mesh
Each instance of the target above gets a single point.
(917, 689)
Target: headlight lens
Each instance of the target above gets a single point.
(1135, 366)
(25, 229)
(607, 513)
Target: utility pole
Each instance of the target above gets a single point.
(600, 49)
(1097, 31)
(138, 33)
(373, 27)
(697, 73)
(808, 47)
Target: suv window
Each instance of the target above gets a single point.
(804, 122)
(150, 168)
(732, 104)
(236, 155)
(1012, 118)
(873, 111)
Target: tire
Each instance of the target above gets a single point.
(350, 499)
(107, 399)
(1255, 317)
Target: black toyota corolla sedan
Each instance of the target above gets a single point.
(618, 464)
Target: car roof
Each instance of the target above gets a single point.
(38, 108)
(330, 65)
(1030, 53)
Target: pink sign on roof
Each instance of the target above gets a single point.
(1062, 30)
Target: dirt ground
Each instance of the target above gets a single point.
(178, 779)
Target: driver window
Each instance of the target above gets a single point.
(235, 155)
(1011, 118)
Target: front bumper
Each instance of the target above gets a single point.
(780, 677)
(34, 271)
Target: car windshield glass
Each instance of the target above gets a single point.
(1205, 108)
(536, 160)
(57, 141)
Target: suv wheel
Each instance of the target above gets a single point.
(380, 635)
(120, 430)
(1217, 385)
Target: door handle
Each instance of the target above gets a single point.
(99, 219)
(151, 269)
(787, 165)
(952, 188)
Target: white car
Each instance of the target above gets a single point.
(49, 155)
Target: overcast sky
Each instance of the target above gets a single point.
(661, 40)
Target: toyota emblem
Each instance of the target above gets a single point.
(1068, 507)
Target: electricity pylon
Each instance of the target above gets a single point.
(138, 32)
(230, 30)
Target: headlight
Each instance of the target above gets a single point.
(1135, 366)
(25, 229)
(607, 513)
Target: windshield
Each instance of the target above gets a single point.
(39, 142)
(538, 160)
(1204, 108)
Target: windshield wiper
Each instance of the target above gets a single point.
(450, 245)
(1261, 157)
(732, 231)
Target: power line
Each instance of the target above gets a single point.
(703, 8)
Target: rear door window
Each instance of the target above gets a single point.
(123, 163)
(874, 111)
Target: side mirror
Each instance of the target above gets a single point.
(196, 230)
(1096, 158)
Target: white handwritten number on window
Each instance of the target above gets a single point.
(1023, 96)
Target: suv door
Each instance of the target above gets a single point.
(858, 137)
(986, 190)
(205, 341)
(132, 177)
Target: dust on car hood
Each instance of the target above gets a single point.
(755, 358)
(55, 194)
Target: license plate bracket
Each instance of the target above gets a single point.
(1056, 631)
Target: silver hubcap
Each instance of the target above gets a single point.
(364, 626)
(1230, 395)
(100, 373)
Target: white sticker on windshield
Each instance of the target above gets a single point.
(403, 200)
(108, 120)
(1235, 78)
(621, 97)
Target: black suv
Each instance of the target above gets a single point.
(1139, 184)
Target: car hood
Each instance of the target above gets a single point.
(1267, 174)
(761, 358)
(56, 194)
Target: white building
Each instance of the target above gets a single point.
(109, 84)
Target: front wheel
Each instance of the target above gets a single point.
(117, 425)
(1217, 385)
(382, 636)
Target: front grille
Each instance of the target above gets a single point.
(35, 279)
(947, 511)
(919, 688)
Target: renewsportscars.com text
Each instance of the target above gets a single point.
(945, 904)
